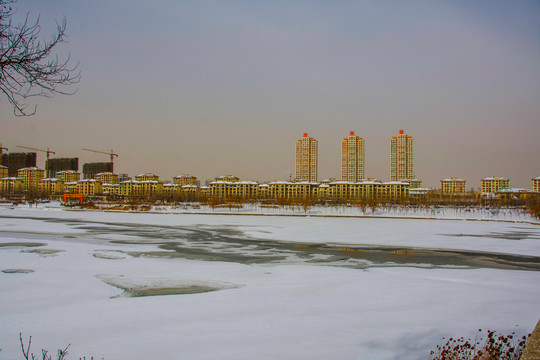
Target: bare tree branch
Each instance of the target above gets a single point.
(27, 66)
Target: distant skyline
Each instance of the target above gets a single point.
(212, 88)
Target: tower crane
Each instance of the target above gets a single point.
(111, 154)
(2, 148)
(48, 154)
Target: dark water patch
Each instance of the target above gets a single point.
(399, 256)
(17, 271)
(22, 244)
(206, 255)
(510, 235)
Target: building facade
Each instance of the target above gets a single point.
(61, 164)
(89, 187)
(146, 177)
(401, 157)
(107, 178)
(68, 176)
(11, 185)
(306, 165)
(16, 161)
(228, 178)
(3, 172)
(51, 186)
(185, 179)
(491, 185)
(31, 177)
(536, 184)
(91, 169)
(453, 186)
(352, 158)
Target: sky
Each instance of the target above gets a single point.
(226, 87)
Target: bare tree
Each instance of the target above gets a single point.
(28, 66)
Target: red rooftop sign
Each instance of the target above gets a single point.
(401, 132)
(305, 134)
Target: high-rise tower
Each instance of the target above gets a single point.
(352, 158)
(306, 159)
(401, 157)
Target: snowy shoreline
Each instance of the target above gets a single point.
(510, 215)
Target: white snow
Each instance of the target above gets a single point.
(257, 311)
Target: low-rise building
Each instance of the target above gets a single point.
(71, 187)
(11, 185)
(107, 178)
(491, 185)
(68, 176)
(218, 189)
(536, 184)
(191, 192)
(3, 172)
(31, 177)
(146, 177)
(110, 189)
(413, 183)
(89, 187)
(185, 179)
(151, 188)
(453, 186)
(227, 178)
(51, 186)
(516, 194)
(172, 191)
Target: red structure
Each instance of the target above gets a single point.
(79, 197)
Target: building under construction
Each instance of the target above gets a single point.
(61, 164)
(16, 161)
(91, 169)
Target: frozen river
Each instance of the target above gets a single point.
(128, 285)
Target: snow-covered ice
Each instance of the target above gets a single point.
(246, 290)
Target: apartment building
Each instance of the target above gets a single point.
(536, 184)
(51, 186)
(401, 157)
(68, 176)
(227, 178)
(89, 187)
(352, 158)
(107, 178)
(306, 165)
(11, 185)
(146, 177)
(453, 186)
(185, 179)
(491, 185)
(31, 177)
(4, 173)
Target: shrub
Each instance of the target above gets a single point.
(493, 347)
(61, 355)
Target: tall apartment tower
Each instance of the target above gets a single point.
(306, 159)
(352, 158)
(401, 157)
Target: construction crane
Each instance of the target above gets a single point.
(2, 148)
(49, 152)
(111, 154)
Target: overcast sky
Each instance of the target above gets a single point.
(226, 87)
